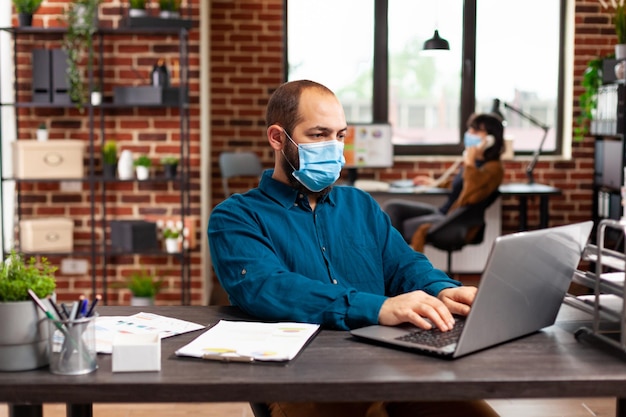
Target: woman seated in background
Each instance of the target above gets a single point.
(480, 175)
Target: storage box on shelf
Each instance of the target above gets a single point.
(49, 159)
(52, 234)
(605, 304)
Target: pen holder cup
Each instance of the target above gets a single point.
(72, 346)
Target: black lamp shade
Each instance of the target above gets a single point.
(436, 42)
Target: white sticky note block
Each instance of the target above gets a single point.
(136, 352)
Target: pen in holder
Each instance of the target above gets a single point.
(72, 346)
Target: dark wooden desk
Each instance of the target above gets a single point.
(521, 190)
(336, 367)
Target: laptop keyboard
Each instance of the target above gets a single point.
(435, 337)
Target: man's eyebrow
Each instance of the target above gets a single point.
(326, 129)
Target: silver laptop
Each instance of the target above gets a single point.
(520, 292)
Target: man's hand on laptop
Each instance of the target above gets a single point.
(459, 299)
(417, 306)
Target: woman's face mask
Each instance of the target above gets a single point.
(470, 139)
(320, 163)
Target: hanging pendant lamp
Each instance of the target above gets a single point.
(436, 42)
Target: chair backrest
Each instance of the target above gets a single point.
(238, 164)
(465, 225)
(260, 410)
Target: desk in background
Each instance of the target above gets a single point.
(336, 367)
(521, 190)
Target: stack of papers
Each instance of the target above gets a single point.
(249, 341)
(141, 323)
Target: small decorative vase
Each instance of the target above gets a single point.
(125, 169)
(143, 173)
(42, 135)
(96, 98)
(619, 70)
(171, 245)
(167, 14)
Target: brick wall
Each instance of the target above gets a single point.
(247, 64)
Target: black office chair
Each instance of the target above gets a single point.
(260, 410)
(464, 226)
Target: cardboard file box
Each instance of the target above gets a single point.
(133, 235)
(50, 159)
(52, 234)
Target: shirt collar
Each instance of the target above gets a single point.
(284, 194)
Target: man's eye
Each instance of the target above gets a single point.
(341, 137)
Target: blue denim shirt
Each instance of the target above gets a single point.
(279, 260)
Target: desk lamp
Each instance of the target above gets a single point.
(495, 109)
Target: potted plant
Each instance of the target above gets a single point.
(82, 24)
(170, 166)
(171, 237)
(169, 9)
(109, 158)
(591, 81)
(25, 10)
(144, 287)
(42, 132)
(142, 167)
(137, 8)
(24, 336)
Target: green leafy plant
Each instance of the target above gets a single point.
(142, 161)
(17, 276)
(588, 100)
(26, 6)
(78, 44)
(143, 284)
(169, 233)
(169, 160)
(137, 4)
(169, 5)
(42, 126)
(109, 152)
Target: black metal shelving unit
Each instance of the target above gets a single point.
(99, 249)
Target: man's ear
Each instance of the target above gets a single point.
(276, 137)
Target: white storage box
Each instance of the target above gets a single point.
(50, 159)
(51, 234)
(136, 352)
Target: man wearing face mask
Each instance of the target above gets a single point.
(299, 249)
(480, 175)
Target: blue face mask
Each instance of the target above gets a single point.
(470, 140)
(320, 163)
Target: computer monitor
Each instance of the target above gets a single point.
(368, 145)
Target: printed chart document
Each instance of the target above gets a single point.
(249, 341)
(140, 323)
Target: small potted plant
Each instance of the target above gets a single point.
(144, 287)
(169, 9)
(23, 323)
(42, 132)
(142, 167)
(137, 8)
(25, 10)
(171, 237)
(109, 158)
(170, 166)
